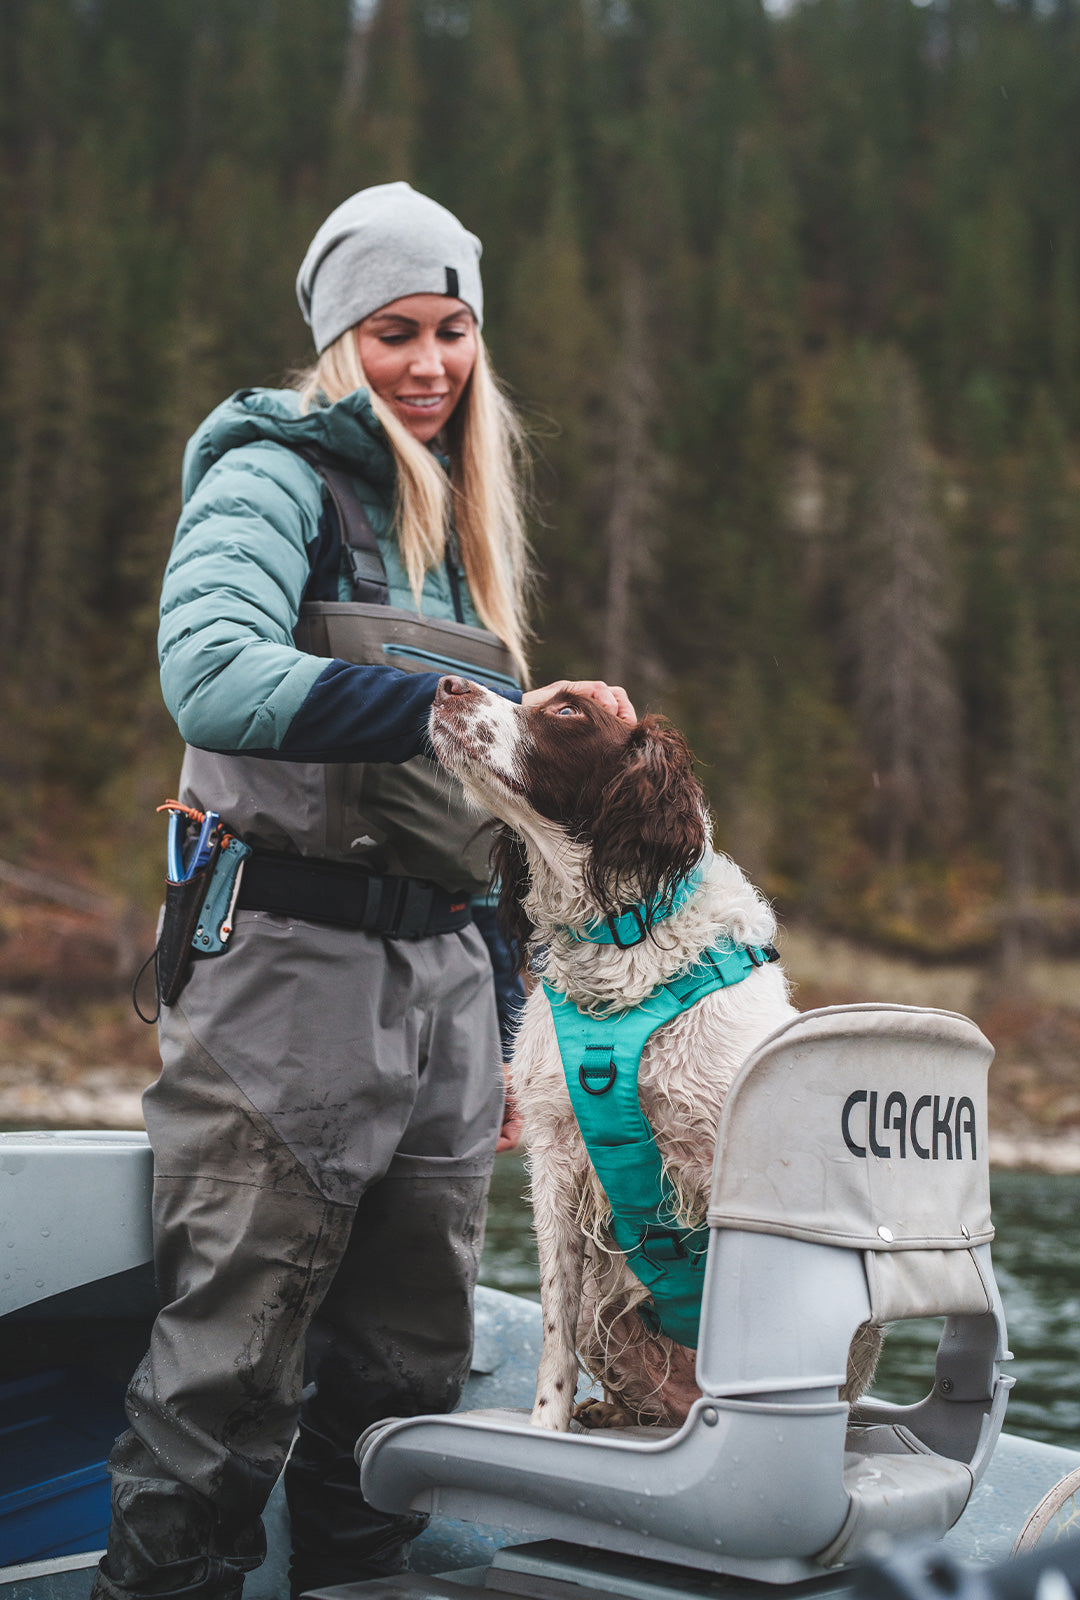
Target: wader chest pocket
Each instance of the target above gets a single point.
(464, 669)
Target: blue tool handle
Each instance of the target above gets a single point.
(175, 853)
(204, 849)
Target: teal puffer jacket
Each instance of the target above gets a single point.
(241, 559)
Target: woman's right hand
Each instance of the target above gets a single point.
(610, 696)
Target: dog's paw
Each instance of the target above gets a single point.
(602, 1414)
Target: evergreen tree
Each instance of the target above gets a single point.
(899, 603)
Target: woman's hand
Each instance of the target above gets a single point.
(610, 696)
(513, 1121)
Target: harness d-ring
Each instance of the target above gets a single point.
(604, 1069)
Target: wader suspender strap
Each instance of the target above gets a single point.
(367, 570)
(366, 567)
(601, 1058)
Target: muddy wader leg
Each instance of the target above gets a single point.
(393, 1337)
(242, 1263)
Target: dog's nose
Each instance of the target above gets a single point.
(452, 686)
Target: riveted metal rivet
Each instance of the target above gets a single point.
(964, 1230)
(885, 1233)
(946, 1386)
(710, 1417)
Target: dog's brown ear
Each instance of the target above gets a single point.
(510, 874)
(649, 832)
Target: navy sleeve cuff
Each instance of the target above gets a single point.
(362, 714)
(358, 714)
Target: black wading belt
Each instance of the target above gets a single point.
(350, 897)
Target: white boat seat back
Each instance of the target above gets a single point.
(860, 1126)
(858, 1130)
(820, 1222)
(852, 1167)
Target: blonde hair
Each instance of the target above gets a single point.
(483, 491)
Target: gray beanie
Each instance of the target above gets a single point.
(379, 245)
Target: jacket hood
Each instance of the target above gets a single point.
(349, 431)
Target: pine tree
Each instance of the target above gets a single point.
(899, 605)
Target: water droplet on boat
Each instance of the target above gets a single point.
(44, 1233)
(39, 1283)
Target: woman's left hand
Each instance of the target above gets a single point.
(608, 695)
(513, 1121)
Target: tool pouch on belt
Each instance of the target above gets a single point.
(197, 918)
(175, 947)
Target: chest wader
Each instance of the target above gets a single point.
(601, 1058)
(323, 1131)
(406, 821)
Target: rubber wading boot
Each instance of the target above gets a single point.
(342, 1559)
(217, 1580)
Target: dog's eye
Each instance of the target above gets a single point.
(568, 711)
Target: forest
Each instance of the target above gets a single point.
(789, 298)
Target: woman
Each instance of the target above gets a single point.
(330, 1096)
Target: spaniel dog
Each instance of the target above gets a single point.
(594, 816)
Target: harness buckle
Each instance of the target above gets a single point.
(643, 928)
(601, 1069)
(651, 1234)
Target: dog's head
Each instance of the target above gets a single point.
(569, 771)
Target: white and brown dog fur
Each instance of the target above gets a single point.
(597, 815)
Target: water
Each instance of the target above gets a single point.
(1036, 1260)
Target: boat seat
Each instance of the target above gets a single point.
(850, 1185)
(74, 1209)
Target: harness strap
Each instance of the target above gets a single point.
(601, 1059)
(632, 925)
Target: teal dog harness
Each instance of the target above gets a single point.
(601, 1058)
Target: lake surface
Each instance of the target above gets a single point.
(1036, 1260)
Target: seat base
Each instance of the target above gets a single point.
(682, 1498)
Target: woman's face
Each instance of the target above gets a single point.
(418, 353)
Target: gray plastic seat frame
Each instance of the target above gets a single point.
(772, 1476)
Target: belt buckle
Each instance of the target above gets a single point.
(413, 910)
